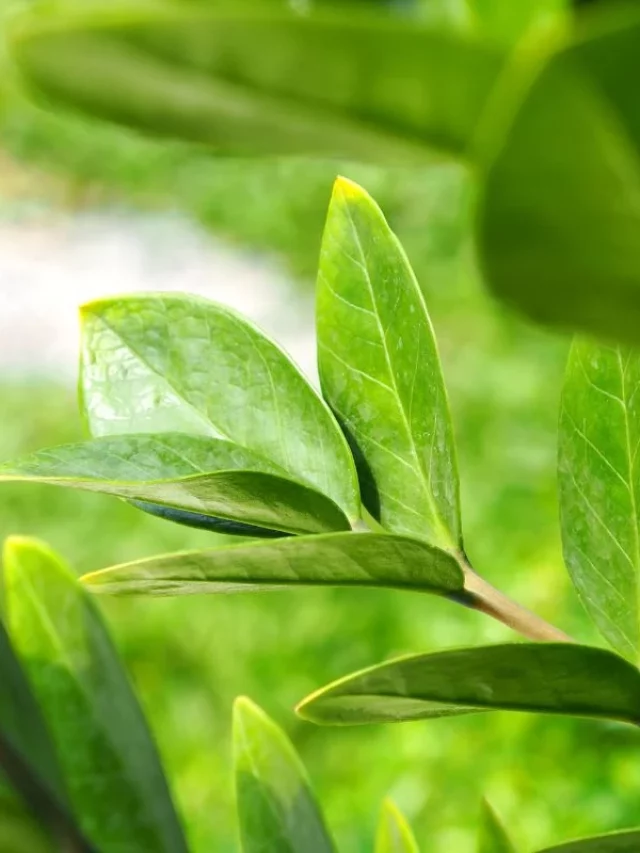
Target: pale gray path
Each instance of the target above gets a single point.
(48, 267)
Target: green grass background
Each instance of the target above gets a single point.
(549, 778)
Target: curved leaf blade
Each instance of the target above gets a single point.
(277, 810)
(178, 472)
(394, 833)
(387, 391)
(599, 487)
(94, 717)
(549, 678)
(170, 362)
(266, 80)
(615, 842)
(333, 559)
(493, 837)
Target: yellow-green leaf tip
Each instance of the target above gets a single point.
(348, 189)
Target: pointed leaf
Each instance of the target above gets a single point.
(185, 473)
(277, 810)
(600, 487)
(493, 837)
(170, 362)
(386, 389)
(394, 833)
(109, 759)
(265, 80)
(333, 559)
(615, 842)
(560, 216)
(552, 678)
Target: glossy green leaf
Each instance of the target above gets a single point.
(615, 842)
(110, 762)
(551, 678)
(600, 487)
(394, 833)
(170, 362)
(332, 559)
(493, 837)
(276, 807)
(380, 372)
(560, 216)
(264, 78)
(183, 472)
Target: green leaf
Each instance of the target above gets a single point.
(394, 833)
(20, 832)
(493, 837)
(599, 487)
(551, 678)
(615, 842)
(205, 476)
(509, 22)
(265, 79)
(380, 372)
(560, 216)
(110, 762)
(277, 810)
(332, 559)
(170, 362)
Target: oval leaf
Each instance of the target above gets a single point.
(560, 216)
(265, 80)
(333, 559)
(615, 842)
(169, 362)
(277, 810)
(493, 837)
(185, 473)
(386, 389)
(552, 678)
(109, 759)
(394, 833)
(600, 487)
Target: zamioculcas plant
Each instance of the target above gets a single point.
(198, 417)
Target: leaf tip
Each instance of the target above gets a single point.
(345, 188)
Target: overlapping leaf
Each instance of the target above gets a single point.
(333, 559)
(600, 487)
(206, 479)
(381, 373)
(169, 362)
(277, 810)
(110, 763)
(493, 837)
(552, 678)
(615, 842)
(394, 833)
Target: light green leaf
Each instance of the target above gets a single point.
(265, 79)
(600, 487)
(551, 678)
(394, 833)
(211, 479)
(560, 215)
(110, 762)
(380, 372)
(332, 559)
(170, 362)
(277, 810)
(508, 22)
(615, 842)
(493, 837)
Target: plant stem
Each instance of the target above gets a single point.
(481, 596)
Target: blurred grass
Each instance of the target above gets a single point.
(550, 778)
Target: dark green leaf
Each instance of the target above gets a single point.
(182, 472)
(333, 559)
(553, 678)
(394, 833)
(277, 810)
(109, 760)
(265, 80)
(381, 374)
(170, 362)
(600, 487)
(560, 217)
(616, 842)
(493, 837)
